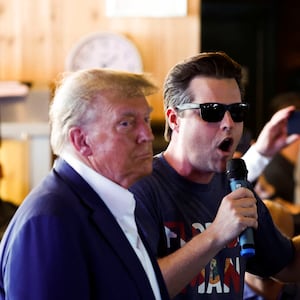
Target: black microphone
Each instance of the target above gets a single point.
(237, 175)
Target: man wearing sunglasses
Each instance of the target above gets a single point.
(186, 207)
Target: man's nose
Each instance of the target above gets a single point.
(145, 134)
(227, 121)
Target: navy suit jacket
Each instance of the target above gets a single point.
(64, 243)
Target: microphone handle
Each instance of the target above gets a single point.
(246, 239)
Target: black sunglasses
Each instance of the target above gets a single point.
(214, 112)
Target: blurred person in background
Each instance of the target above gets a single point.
(258, 288)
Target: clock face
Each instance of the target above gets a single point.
(104, 50)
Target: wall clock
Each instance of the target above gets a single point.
(104, 50)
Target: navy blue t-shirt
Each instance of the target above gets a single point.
(171, 210)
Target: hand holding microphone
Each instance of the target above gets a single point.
(237, 175)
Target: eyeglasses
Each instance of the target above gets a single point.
(214, 112)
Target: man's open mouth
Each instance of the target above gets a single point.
(226, 144)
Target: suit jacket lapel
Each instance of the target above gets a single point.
(107, 226)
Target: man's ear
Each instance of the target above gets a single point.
(172, 117)
(78, 139)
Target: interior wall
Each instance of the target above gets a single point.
(14, 175)
(36, 37)
(246, 31)
(288, 46)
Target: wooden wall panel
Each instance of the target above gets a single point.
(36, 36)
(14, 181)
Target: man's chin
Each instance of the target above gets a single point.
(145, 169)
(221, 168)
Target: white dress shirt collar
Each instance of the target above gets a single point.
(109, 191)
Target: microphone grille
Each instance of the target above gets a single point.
(236, 168)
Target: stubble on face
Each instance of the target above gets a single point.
(213, 144)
